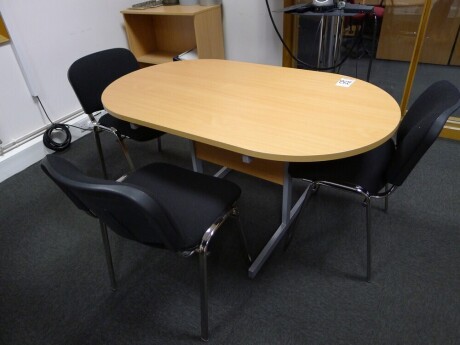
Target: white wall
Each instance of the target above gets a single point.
(249, 34)
(18, 113)
(51, 34)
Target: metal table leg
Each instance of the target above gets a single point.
(288, 215)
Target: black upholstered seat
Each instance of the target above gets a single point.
(191, 200)
(366, 169)
(89, 76)
(160, 205)
(390, 163)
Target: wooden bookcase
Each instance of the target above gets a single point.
(158, 34)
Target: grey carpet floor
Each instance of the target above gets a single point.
(54, 287)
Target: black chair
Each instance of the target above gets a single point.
(159, 205)
(89, 76)
(389, 164)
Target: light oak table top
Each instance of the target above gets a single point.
(262, 111)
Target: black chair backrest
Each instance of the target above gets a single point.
(420, 128)
(126, 209)
(91, 74)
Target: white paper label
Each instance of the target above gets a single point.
(344, 82)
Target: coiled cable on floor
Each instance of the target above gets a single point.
(57, 137)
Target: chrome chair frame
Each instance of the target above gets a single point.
(395, 158)
(153, 225)
(97, 129)
(201, 251)
(366, 203)
(84, 79)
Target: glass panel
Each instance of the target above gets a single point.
(440, 58)
(396, 26)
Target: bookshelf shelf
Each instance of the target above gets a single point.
(158, 34)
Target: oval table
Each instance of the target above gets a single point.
(257, 118)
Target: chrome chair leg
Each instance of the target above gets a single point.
(99, 149)
(202, 252)
(386, 198)
(315, 188)
(108, 255)
(368, 236)
(204, 295)
(242, 235)
(126, 154)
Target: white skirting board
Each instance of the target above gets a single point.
(16, 160)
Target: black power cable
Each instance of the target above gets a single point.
(52, 133)
(52, 136)
(296, 58)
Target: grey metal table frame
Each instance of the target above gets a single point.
(288, 212)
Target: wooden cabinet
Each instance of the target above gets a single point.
(400, 25)
(158, 34)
